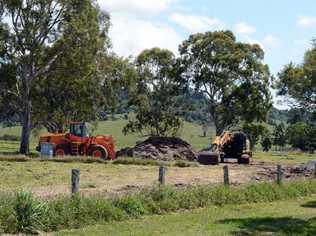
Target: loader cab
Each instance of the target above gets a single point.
(79, 129)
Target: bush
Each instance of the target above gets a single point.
(29, 214)
(302, 135)
(77, 211)
(132, 205)
(9, 137)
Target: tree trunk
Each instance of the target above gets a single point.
(26, 128)
(26, 111)
(218, 126)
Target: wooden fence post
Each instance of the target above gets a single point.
(279, 174)
(162, 172)
(75, 176)
(226, 176)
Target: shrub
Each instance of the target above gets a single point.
(9, 137)
(132, 205)
(29, 213)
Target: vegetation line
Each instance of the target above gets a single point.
(23, 213)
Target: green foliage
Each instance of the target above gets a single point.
(254, 131)
(153, 98)
(118, 80)
(52, 54)
(303, 136)
(266, 142)
(298, 82)
(29, 213)
(77, 211)
(75, 74)
(131, 205)
(230, 74)
(9, 137)
(279, 135)
(26, 214)
(32, 24)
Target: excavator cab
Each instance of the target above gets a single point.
(79, 129)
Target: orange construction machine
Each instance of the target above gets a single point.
(77, 142)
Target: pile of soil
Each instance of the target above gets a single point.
(162, 149)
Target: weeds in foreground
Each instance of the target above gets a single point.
(25, 214)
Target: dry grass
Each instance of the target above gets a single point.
(49, 178)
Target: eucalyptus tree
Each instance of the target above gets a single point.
(230, 74)
(52, 42)
(154, 95)
(298, 82)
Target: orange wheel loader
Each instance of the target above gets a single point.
(77, 142)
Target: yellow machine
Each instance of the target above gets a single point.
(230, 145)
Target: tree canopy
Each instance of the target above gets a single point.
(298, 82)
(231, 74)
(52, 50)
(153, 98)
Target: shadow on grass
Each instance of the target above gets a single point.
(272, 225)
(311, 204)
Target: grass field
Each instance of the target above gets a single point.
(49, 179)
(190, 132)
(293, 217)
(286, 158)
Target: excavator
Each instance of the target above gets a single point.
(229, 145)
(77, 142)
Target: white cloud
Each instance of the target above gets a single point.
(251, 40)
(135, 6)
(306, 21)
(244, 28)
(131, 36)
(270, 41)
(194, 24)
(134, 27)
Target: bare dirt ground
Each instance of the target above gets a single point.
(132, 178)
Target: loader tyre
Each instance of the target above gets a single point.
(244, 159)
(61, 150)
(99, 152)
(208, 158)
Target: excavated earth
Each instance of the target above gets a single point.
(162, 149)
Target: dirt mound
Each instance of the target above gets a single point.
(162, 149)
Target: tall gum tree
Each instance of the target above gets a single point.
(230, 74)
(34, 24)
(36, 45)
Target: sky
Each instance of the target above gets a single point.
(284, 28)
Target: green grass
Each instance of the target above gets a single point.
(293, 158)
(149, 162)
(291, 217)
(190, 132)
(21, 213)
